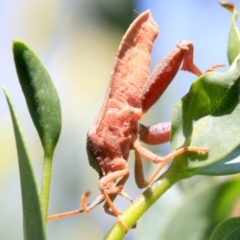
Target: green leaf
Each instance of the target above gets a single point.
(32, 218)
(204, 207)
(40, 94)
(234, 36)
(226, 166)
(208, 116)
(227, 230)
(43, 105)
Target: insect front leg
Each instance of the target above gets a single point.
(110, 191)
(161, 161)
(118, 190)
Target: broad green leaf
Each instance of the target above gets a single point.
(227, 230)
(40, 94)
(229, 164)
(226, 166)
(32, 218)
(43, 105)
(234, 36)
(234, 235)
(201, 211)
(208, 116)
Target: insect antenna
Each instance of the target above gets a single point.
(84, 207)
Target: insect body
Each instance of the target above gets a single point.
(132, 91)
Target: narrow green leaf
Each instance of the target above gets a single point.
(43, 105)
(32, 218)
(40, 94)
(227, 230)
(201, 211)
(208, 116)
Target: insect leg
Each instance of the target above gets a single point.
(162, 161)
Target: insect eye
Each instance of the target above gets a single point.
(92, 157)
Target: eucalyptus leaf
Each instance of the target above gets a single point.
(40, 94)
(209, 116)
(32, 219)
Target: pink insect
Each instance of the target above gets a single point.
(131, 92)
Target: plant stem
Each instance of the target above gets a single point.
(131, 215)
(46, 180)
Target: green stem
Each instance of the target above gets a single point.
(132, 214)
(46, 180)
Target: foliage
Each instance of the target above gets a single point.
(199, 119)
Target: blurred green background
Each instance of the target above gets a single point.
(77, 40)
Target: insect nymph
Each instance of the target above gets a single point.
(132, 91)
